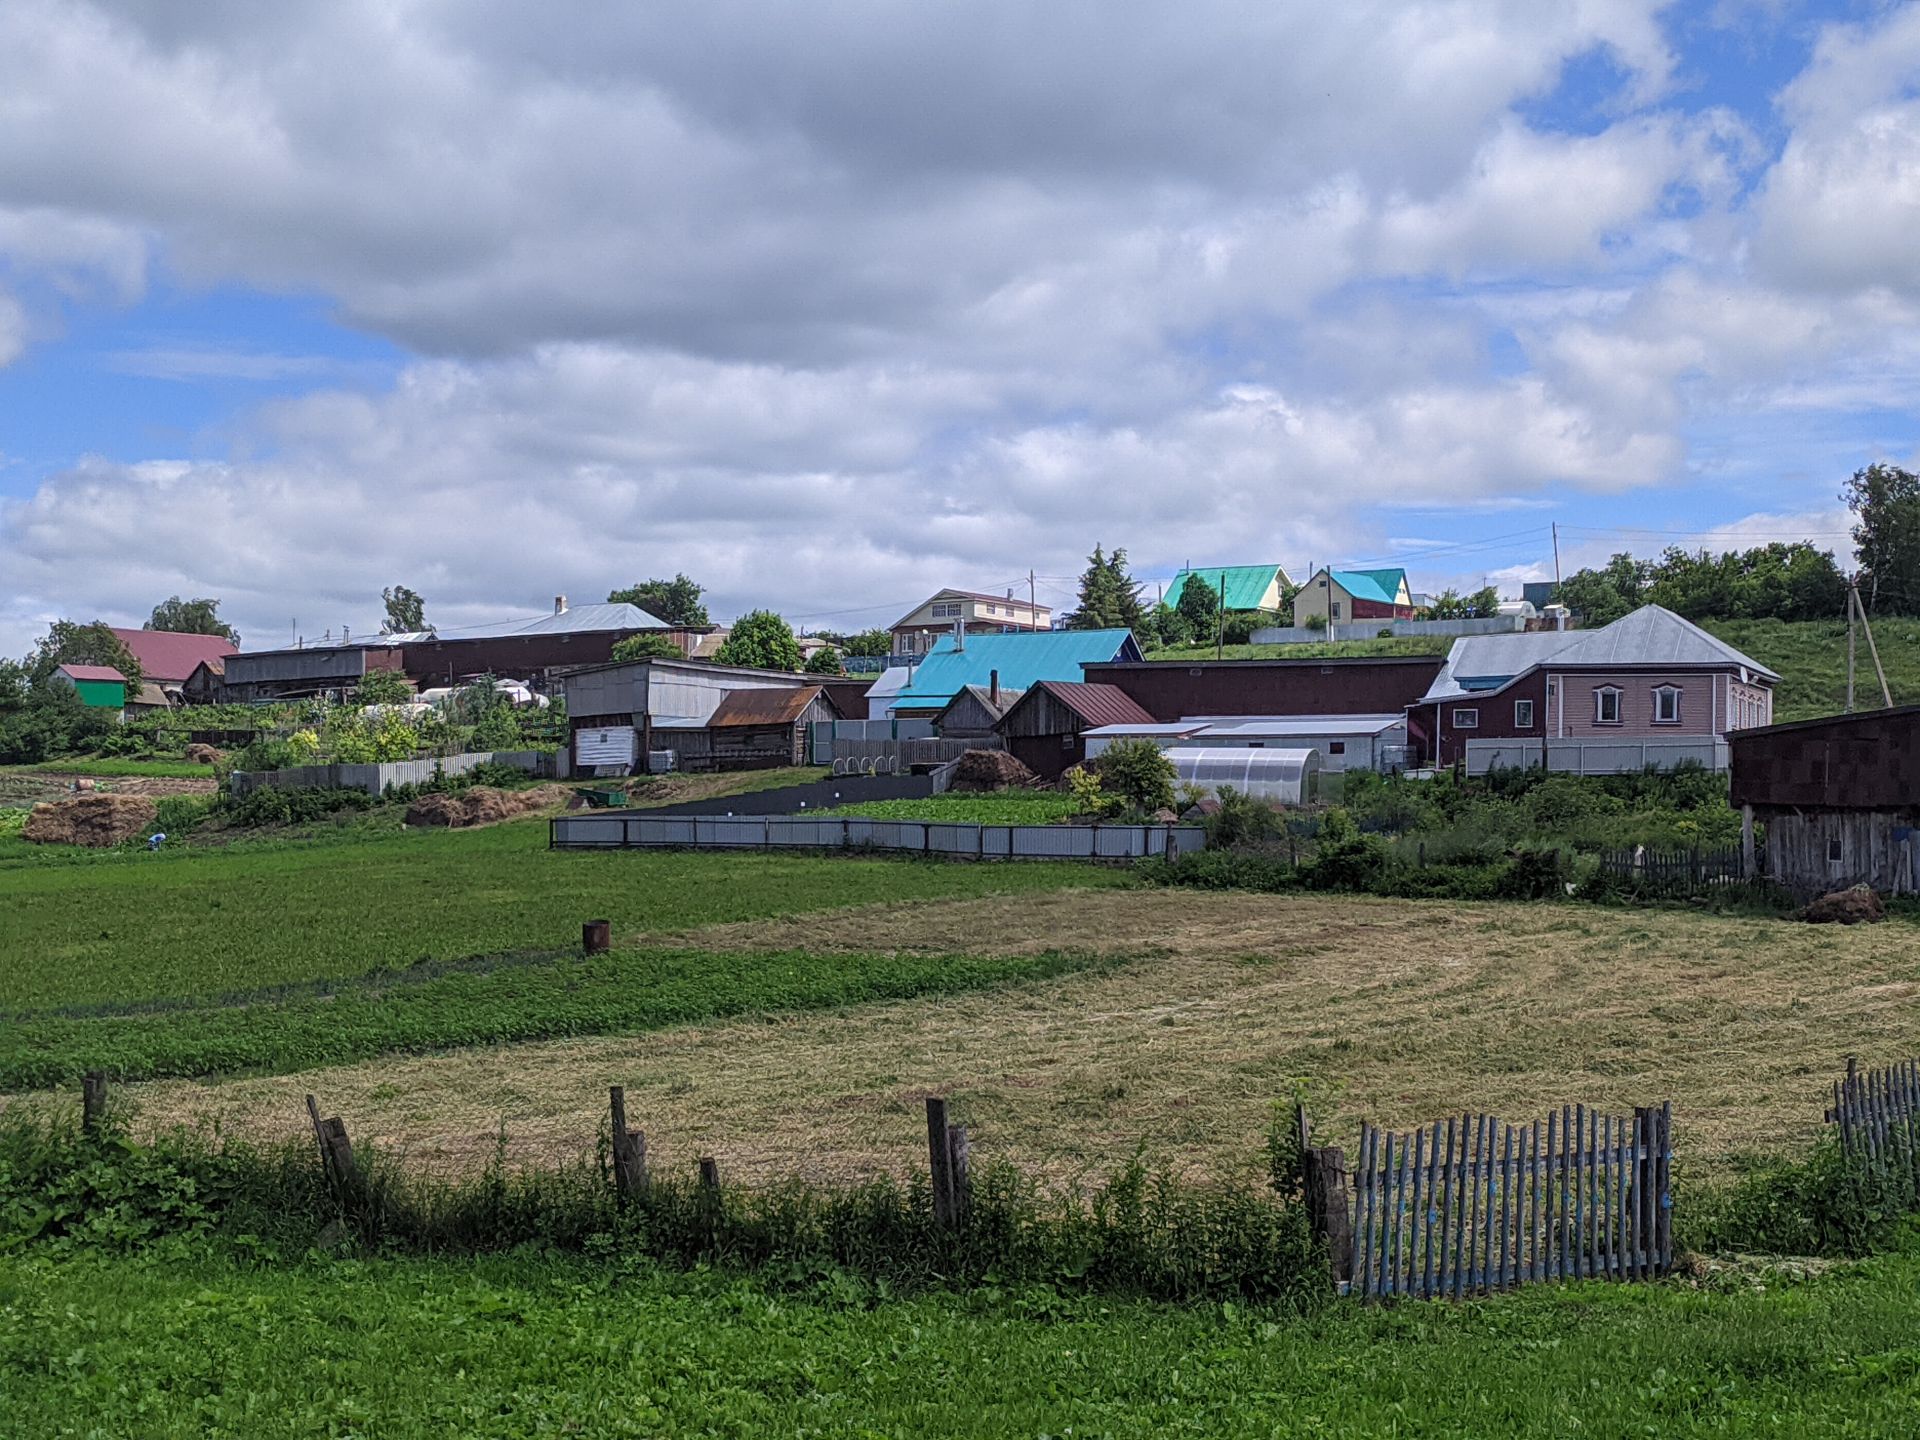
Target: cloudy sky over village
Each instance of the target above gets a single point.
(829, 305)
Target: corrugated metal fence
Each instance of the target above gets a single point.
(619, 830)
(1596, 757)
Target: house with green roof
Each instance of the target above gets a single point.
(1244, 587)
(1340, 597)
(1015, 661)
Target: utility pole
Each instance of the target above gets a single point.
(1556, 559)
(1220, 622)
(1886, 695)
(1033, 604)
(1853, 599)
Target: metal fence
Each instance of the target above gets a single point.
(623, 830)
(1596, 757)
(1481, 1205)
(374, 779)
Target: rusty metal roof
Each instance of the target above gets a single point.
(1097, 704)
(765, 707)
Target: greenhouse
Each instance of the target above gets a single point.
(1286, 777)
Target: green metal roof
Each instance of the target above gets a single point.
(1245, 586)
(1023, 659)
(1381, 585)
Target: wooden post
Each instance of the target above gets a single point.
(596, 937)
(339, 1152)
(710, 1174)
(1330, 1206)
(957, 1155)
(629, 1148)
(319, 1132)
(93, 1101)
(940, 1155)
(1748, 862)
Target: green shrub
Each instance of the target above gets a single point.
(1139, 773)
(177, 814)
(1242, 820)
(1346, 859)
(1221, 870)
(1826, 1204)
(268, 805)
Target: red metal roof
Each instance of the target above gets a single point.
(1095, 703)
(168, 656)
(92, 672)
(765, 707)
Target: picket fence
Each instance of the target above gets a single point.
(1479, 1205)
(1676, 872)
(1878, 1112)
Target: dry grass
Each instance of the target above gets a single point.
(1399, 1011)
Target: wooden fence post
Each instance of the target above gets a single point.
(340, 1152)
(940, 1155)
(596, 937)
(710, 1174)
(93, 1101)
(629, 1148)
(1329, 1199)
(957, 1153)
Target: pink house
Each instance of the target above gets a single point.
(1651, 688)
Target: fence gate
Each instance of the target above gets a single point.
(1476, 1205)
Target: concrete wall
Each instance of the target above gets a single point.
(1368, 629)
(374, 779)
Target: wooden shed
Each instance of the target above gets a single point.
(760, 729)
(1839, 796)
(1044, 729)
(975, 711)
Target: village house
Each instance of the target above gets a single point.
(969, 611)
(1013, 661)
(168, 657)
(1338, 597)
(1240, 587)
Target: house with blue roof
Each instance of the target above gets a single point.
(1340, 597)
(1008, 662)
(1243, 587)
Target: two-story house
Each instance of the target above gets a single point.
(921, 628)
(1649, 689)
(1339, 597)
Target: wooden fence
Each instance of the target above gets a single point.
(1878, 1112)
(1676, 872)
(1477, 1205)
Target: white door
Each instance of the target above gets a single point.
(611, 746)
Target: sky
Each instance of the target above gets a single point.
(832, 305)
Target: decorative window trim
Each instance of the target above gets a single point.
(1466, 717)
(1659, 692)
(1518, 723)
(1600, 694)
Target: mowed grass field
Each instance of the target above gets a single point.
(1171, 1020)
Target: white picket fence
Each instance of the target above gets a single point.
(627, 831)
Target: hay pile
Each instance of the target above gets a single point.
(1846, 907)
(99, 821)
(992, 770)
(483, 805)
(204, 755)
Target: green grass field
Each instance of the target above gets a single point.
(160, 769)
(199, 924)
(190, 1344)
(1322, 650)
(1005, 807)
(1811, 658)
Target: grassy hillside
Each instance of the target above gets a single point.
(1334, 650)
(1811, 658)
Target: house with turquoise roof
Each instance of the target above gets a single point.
(1244, 587)
(1006, 663)
(1340, 597)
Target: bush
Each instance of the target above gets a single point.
(1222, 870)
(646, 647)
(177, 814)
(1138, 773)
(267, 805)
(1822, 1205)
(1242, 820)
(1346, 859)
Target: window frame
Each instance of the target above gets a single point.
(1473, 710)
(1600, 694)
(1336, 747)
(1660, 692)
(1518, 723)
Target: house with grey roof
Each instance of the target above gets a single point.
(1649, 689)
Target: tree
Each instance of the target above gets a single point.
(676, 601)
(13, 683)
(1769, 582)
(406, 611)
(191, 617)
(1199, 606)
(825, 661)
(384, 687)
(1600, 597)
(1109, 597)
(870, 642)
(1483, 603)
(1138, 772)
(761, 639)
(1885, 501)
(647, 647)
(68, 642)
(1169, 626)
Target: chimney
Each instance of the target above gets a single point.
(559, 604)
(343, 635)
(993, 687)
(960, 634)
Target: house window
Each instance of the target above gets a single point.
(1336, 747)
(1606, 705)
(1336, 609)
(1666, 704)
(1833, 850)
(1523, 714)
(1466, 719)
(1066, 742)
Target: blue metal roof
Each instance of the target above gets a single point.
(1023, 659)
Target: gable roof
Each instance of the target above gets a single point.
(1651, 637)
(1023, 658)
(1383, 586)
(576, 620)
(766, 707)
(981, 693)
(957, 594)
(1245, 586)
(92, 672)
(215, 666)
(1096, 704)
(171, 654)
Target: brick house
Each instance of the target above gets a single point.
(1651, 688)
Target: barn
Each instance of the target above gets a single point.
(1839, 797)
(1046, 728)
(759, 729)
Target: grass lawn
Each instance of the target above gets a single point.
(180, 1344)
(1002, 807)
(159, 769)
(205, 923)
(1316, 650)
(1398, 1011)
